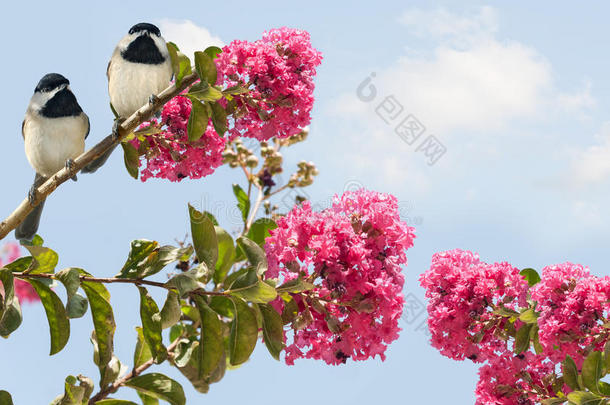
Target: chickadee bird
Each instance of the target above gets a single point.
(54, 130)
(139, 69)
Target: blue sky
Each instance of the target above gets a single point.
(516, 92)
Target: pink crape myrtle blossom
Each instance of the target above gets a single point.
(25, 292)
(461, 290)
(503, 380)
(354, 251)
(279, 70)
(466, 320)
(572, 305)
(171, 156)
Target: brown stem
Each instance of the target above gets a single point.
(130, 124)
(136, 281)
(111, 389)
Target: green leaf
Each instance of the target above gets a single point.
(522, 339)
(44, 259)
(295, 286)
(142, 352)
(244, 332)
(185, 283)
(5, 398)
(59, 324)
(158, 386)
(255, 254)
(77, 305)
(189, 364)
(198, 121)
(70, 278)
(273, 331)
(243, 202)
(553, 401)
(164, 256)
(111, 401)
(290, 311)
(226, 254)
(235, 90)
(223, 306)
(181, 65)
(171, 313)
(141, 255)
(212, 217)
(219, 118)
(592, 371)
(204, 92)
(260, 230)
(20, 265)
(184, 352)
(103, 321)
(529, 316)
(151, 323)
(131, 158)
(251, 288)
(212, 51)
(211, 347)
(10, 316)
(75, 394)
(570, 373)
(585, 398)
(206, 68)
(204, 238)
(534, 335)
(607, 357)
(148, 400)
(531, 276)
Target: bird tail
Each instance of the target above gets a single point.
(28, 228)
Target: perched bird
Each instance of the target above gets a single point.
(139, 69)
(54, 132)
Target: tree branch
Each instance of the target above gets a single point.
(129, 125)
(109, 280)
(111, 389)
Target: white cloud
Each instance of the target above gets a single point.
(579, 101)
(477, 91)
(592, 165)
(442, 24)
(188, 36)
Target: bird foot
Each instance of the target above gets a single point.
(153, 99)
(32, 194)
(115, 127)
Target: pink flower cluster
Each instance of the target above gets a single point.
(511, 380)
(25, 292)
(279, 70)
(573, 305)
(171, 156)
(468, 303)
(354, 251)
(461, 290)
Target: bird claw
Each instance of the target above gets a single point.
(69, 164)
(32, 194)
(153, 99)
(115, 128)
